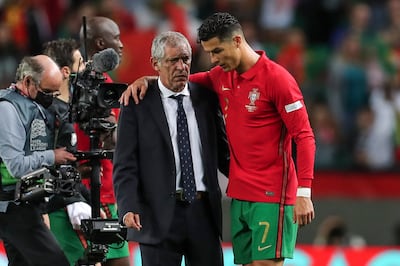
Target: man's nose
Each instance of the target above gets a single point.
(180, 63)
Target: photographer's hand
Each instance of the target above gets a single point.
(136, 90)
(62, 156)
(78, 211)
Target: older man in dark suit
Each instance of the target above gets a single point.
(169, 149)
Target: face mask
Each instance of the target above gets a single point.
(44, 99)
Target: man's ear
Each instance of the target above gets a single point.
(27, 81)
(99, 43)
(154, 63)
(66, 72)
(237, 40)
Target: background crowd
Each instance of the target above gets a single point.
(344, 54)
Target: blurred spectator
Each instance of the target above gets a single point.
(251, 30)
(277, 15)
(347, 90)
(292, 55)
(396, 103)
(38, 25)
(357, 23)
(391, 36)
(319, 18)
(115, 10)
(14, 17)
(152, 17)
(163, 15)
(377, 123)
(72, 19)
(9, 56)
(327, 137)
(364, 120)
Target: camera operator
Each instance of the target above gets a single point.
(26, 142)
(67, 211)
(103, 33)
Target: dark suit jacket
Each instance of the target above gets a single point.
(144, 165)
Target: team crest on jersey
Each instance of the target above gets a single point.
(254, 95)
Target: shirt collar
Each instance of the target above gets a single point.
(165, 92)
(249, 74)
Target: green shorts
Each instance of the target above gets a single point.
(262, 231)
(117, 250)
(69, 239)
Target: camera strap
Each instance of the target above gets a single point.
(57, 125)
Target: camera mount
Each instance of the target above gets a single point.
(99, 232)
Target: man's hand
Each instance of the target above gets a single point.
(303, 211)
(108, 138)
(62, 156)
(132, 220)
(136, 90)
(78, 211)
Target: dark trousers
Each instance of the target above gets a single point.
(192, 234)
(27, 239)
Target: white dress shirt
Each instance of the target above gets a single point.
(170, 108)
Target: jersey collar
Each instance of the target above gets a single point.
(249, 74)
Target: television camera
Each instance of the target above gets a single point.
(92, 97)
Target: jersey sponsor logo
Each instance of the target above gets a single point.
(293, 106)
(254, 95)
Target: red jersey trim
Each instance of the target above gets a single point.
(279, 240)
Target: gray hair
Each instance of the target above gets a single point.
(29, 67)
(170, 38)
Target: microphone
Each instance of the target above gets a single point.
(105, 60)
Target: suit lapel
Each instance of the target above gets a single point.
(156, 109)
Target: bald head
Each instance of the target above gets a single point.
(51, 77)
(101, 33)
(99, 26)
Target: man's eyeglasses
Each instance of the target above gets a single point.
(46, 91)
